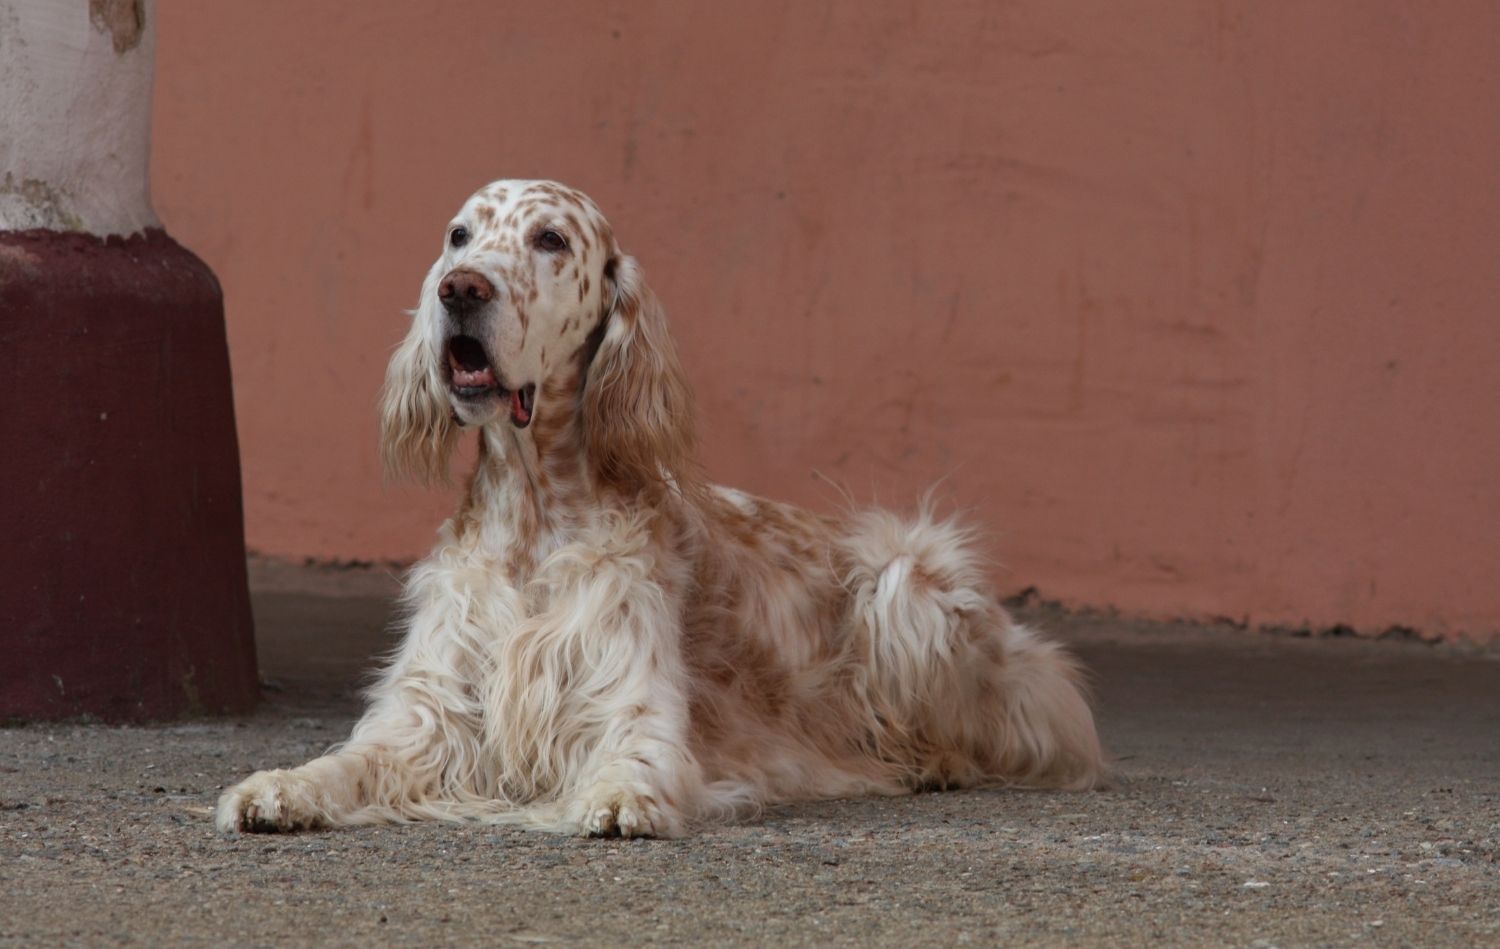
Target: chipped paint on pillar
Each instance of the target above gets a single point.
(75, 116)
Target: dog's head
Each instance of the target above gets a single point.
(530, 312)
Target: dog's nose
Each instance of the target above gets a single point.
(463, 290)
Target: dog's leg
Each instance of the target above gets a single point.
(644, 777)
(637, 776)
(400, 762)
(318, 794)
(416, 750)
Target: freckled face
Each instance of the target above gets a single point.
(520, 286)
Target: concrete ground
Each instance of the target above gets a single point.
(1272, 791)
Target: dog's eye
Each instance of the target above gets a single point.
(459, 236)
(551, 241)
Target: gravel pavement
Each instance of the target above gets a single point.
(1272, 790)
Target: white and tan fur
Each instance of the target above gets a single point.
(601, 642)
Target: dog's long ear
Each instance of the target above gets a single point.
(417, 430)
(637, 405)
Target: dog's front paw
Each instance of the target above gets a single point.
(270, 802)
(614, 810)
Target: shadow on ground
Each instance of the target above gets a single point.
(1272, 791)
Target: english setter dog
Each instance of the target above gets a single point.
(601, 642)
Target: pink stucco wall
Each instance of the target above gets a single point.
(1195, 305)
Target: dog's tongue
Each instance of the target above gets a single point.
(474, 378)
(519, 413)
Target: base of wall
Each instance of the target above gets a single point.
(124, 595)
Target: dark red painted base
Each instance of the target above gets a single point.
(122, 551)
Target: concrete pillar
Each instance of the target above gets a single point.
(122, 561)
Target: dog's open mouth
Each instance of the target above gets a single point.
(474, 379)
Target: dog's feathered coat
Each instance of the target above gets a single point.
(603, 643)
